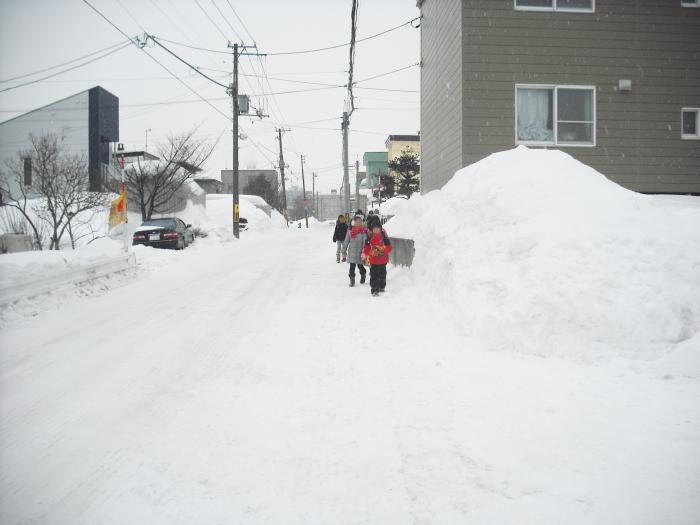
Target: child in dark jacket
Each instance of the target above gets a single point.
(377, 250)
(341, 230)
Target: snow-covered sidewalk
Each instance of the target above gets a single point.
(248, 384)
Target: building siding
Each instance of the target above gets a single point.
(654, 44)
(441, 92)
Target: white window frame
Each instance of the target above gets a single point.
(555, 8)
(687, 136)
(696, 3)
(555, 116)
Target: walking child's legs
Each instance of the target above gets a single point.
(373, 277)
(339, 248)
(381, 276)
(352, 270)
(361, 267)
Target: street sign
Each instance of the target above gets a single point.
(236, 213)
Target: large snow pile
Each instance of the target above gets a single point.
(534, 251)
(394, 206)
(220, 215)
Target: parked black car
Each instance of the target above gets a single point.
(166, 232)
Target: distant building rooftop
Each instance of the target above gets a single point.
(402, 138)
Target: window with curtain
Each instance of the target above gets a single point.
(535, 119)
(554, 115)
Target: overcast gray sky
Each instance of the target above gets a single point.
(36, 34)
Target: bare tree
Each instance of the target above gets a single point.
(265, 188)
(153, 184)
(55, 193)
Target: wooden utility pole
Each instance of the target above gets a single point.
(313, 193)
(234, 96)
(346, 170)
(303, 189)
(284, 187)
(357, 184)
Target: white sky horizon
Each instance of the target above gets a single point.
(276, 25)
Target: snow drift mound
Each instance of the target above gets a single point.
(220, 215)
(534, 251)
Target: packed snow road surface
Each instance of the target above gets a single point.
(246, 383)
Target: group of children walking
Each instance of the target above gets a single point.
(363, 242)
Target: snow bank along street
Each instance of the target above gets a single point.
(539, 364)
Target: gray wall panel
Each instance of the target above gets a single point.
(441, 92)
(654, 44)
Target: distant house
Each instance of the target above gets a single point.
(376, 164)
(86, 123)
(210, 185)
(615, 83)
(397, 144)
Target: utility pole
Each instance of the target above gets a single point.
(357, 184)
(236, 112)
(303, 189)
(346, 172)
(234, 96)
(313, 193)
(284, 189)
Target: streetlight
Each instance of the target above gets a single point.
(146, 149)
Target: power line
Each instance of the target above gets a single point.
(351, 68)
(211, 20)
(226, 20)
(185, 62)
(300, 52)
(241, 21)
(66, 70)
(307, 82)
(135, 42)
(388, 73)
(130, 15)
(198, 48)
(61, 64)
(391, 90)
(409, 22)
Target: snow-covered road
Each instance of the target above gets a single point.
(248, 384)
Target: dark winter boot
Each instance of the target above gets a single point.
(375, 293)
(363, 278)
(352, 281)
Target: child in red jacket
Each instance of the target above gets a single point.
(377, 249)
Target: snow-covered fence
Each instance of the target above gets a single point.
(74, 275)
(402, 252)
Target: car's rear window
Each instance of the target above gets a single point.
(163, 223)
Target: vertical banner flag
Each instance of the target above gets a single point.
(117, 210)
